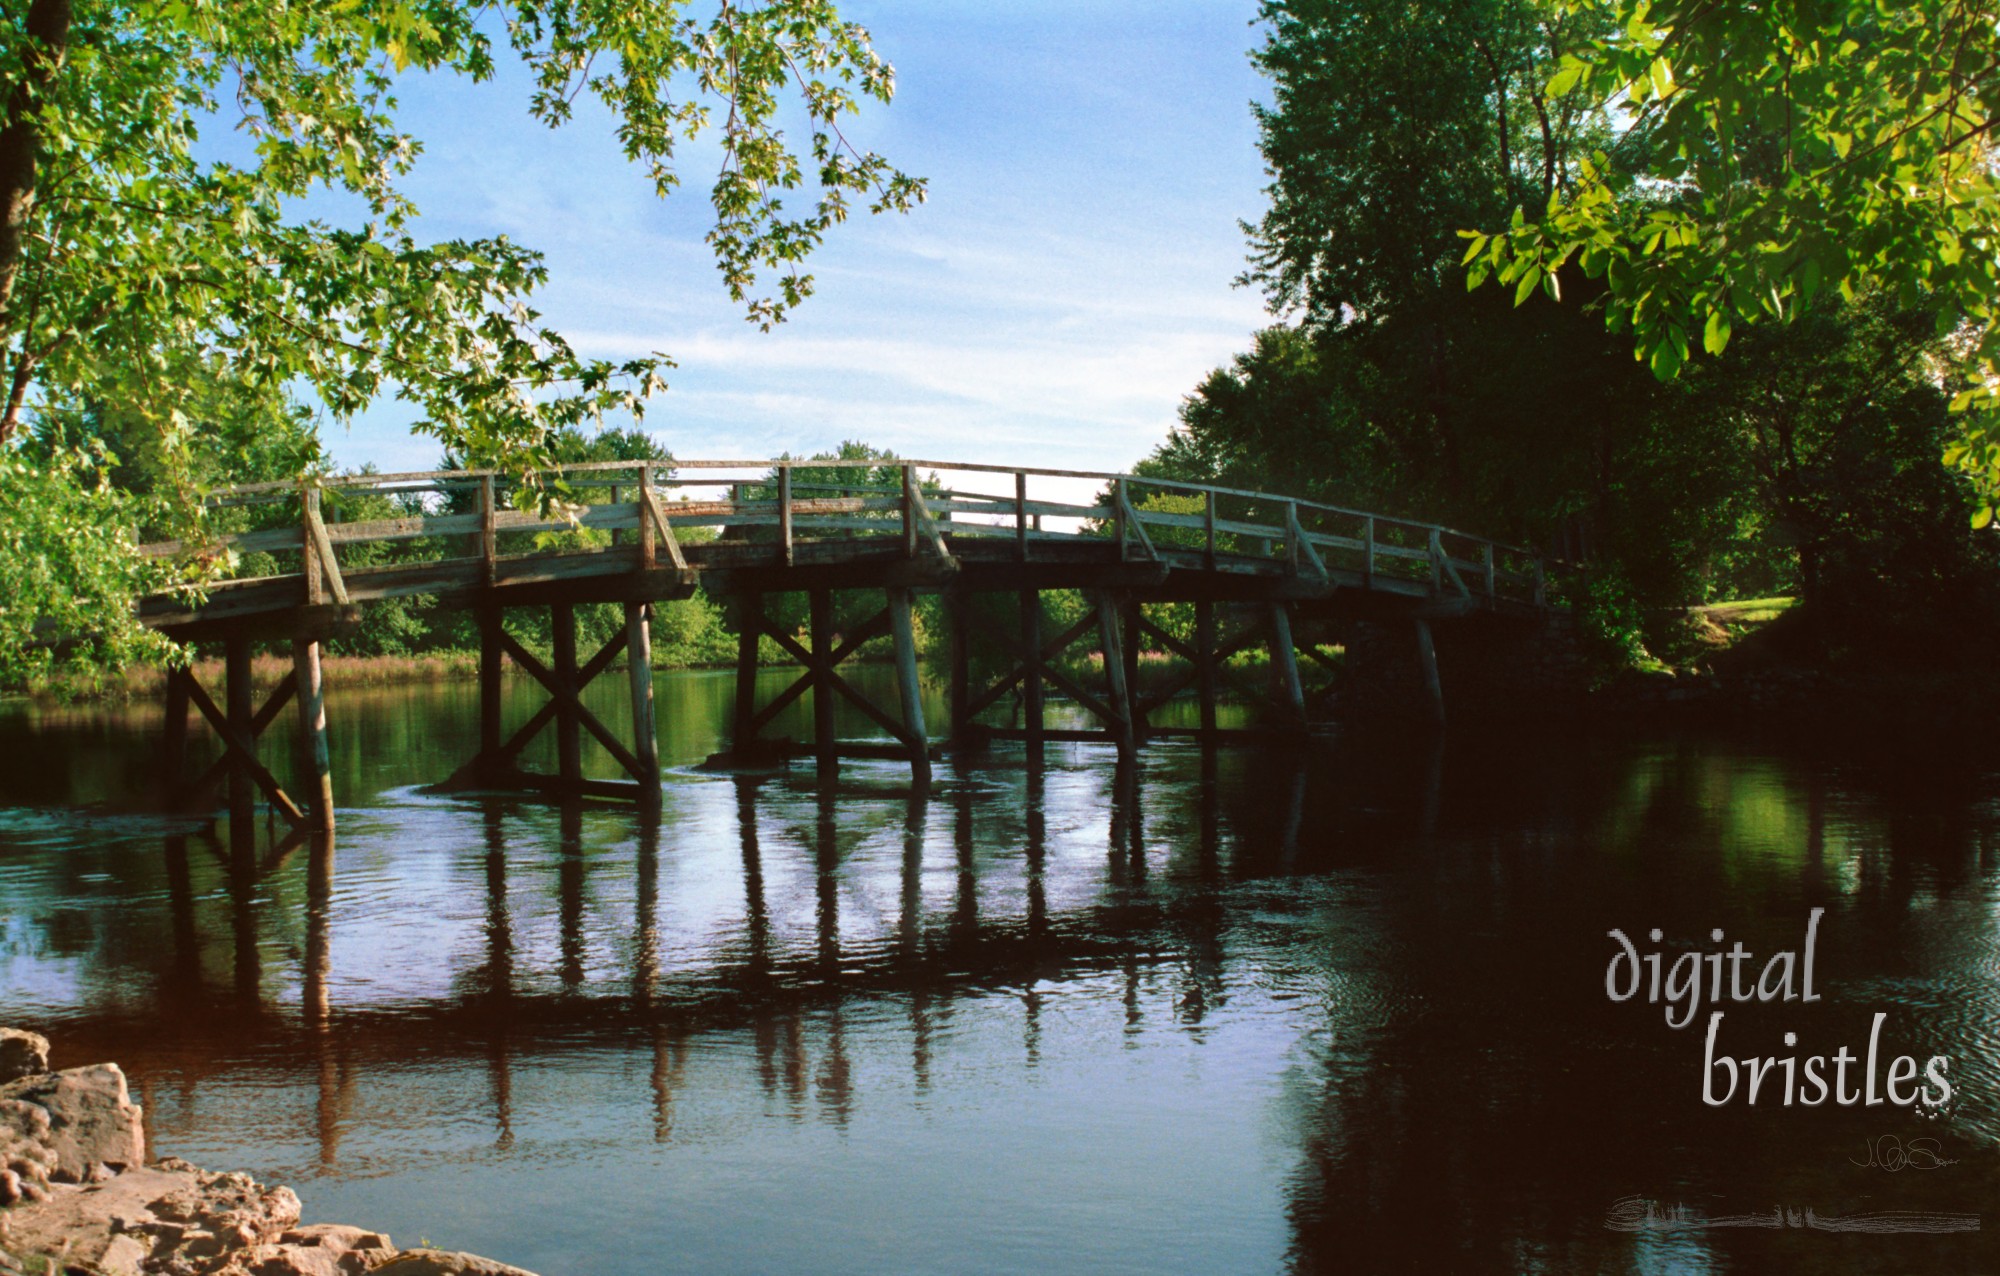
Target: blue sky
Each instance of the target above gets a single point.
(1068, 282)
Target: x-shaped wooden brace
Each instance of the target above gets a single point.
(241, 751)
(1249, 636)
(1055, 676)
(562, 696)
(818, 674)
(1324, 695)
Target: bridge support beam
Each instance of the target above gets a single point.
(1205, 656)
(497, 765)
(1290, 691)
(239, 724)
(1120, 702)
(315, 760)
(1035, 669)
(1427, 662)
(639, 671)
(909, 688)
(820, 657)
(1031, 668)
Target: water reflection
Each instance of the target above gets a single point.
(1214, 1010)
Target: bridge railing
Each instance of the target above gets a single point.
(320, 528)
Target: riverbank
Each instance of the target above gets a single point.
(266, 671)
(77, 1195)
(1922, 678)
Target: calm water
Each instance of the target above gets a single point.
(1249, 1012)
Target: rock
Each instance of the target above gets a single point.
(439, 1262)
(22, 1054)
(124, 1256)
(189, 1222)
(92, 1120)
(338, 1237)
(284, 1260)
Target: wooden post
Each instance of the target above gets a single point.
(909, 513)
(489, 534)
(1134, 636)
(242, 786)
(639, 669)
(308, 549)
(1118, 515)
(490, 667)
(1021, 514)
(1292, 538)
(569, 730)
(957, 603)
(1114, 674)
(749, 615)
(1208, 528)
(647, 553)
(315, 764)
(1427, 660)
(1204, 650)
(1488, 570)
(1368, 559)
(1031, 660)
(820, 602)
(909, 689)
(785, 513)
(639, 673)
(1285, 662)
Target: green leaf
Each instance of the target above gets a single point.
(1567, 77)
(1715, 334)
(1529, 278)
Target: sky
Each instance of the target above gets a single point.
(1068, 282)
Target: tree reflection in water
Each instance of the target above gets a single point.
(1353, 997)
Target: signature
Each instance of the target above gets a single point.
(1637, 1214)
(1892, 1154)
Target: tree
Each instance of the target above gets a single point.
(1391, 125)
(122, 249)
(129, 255)
(1797, 467)
(1768, 154)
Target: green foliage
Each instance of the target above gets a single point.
(1391, 125)
(1769, 155)
(137, 252)
(1804, 459)
(67, 566)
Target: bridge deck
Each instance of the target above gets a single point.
(309, 556)
(632, 531)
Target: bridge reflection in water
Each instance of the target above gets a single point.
(1227, 1014)
(976, 908)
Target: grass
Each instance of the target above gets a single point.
(1746, 611)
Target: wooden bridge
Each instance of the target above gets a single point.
(1256, 569)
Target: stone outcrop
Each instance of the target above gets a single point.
(22, 1054)
(87, 1122)
(75, 1188)
(438, 1262)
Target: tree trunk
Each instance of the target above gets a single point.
(20, 142)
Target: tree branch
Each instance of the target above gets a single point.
(47, 28)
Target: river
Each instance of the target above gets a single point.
(1338, 1009)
